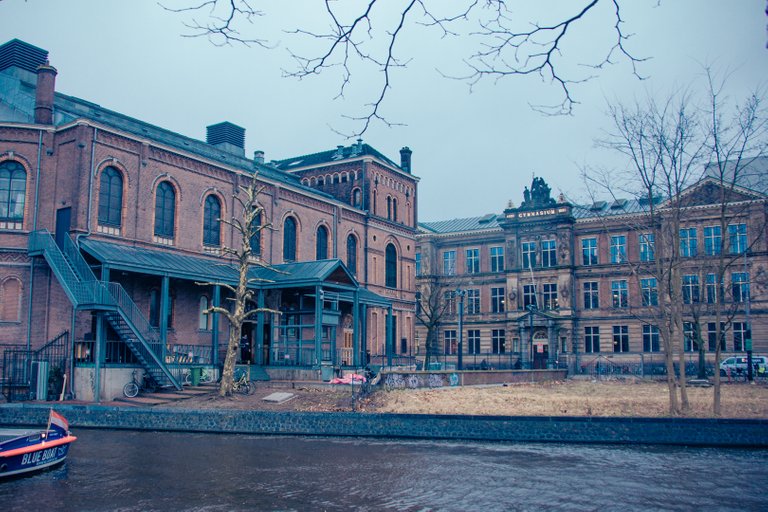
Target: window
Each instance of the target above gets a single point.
(689, 337)
(449, 263)
(591, 297)
(690, 289)
(473, 301)
(650, 338)
(110, 197)
(589, 251)
(352, 254)
(10, 300)
(211, 223)
(165, 210)
(473, 341)
(739, 336)
(154, 309)
(13, 192)
(649, 291)
(357, 198)
(497, 259)
(390, 267)
(389, 207)
(591, 339)
(548, 253)
(740, 286)
(497, 300)
(529, 295)
(321, 243)
(737, 238)
(394, 209)
(204, 318)
(647, 246)
(256, 235)
(713, 240)
(450, 344)
(621, 338)
(619, 294)
(289, 240)
(715, 292)
(688, 243)
(418, 263)
(549, 296)
(712, 336)
(498, 341)
(473, 261)
(618, 249)
(449, 299)
(529, 254)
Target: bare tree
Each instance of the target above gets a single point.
(432, 306)
(366, 37)
(249, 223)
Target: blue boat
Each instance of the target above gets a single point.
(38, 450)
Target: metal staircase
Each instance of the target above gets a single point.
(86, 292)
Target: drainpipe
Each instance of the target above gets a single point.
(90, 188)
(34, 228)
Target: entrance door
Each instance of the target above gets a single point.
(63, 221)
(265, 348)
(540, 356)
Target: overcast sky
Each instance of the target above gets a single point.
(473, 151)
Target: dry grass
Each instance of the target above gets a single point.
(574, 398)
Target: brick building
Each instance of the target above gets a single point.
(551, 283)
(108, 225)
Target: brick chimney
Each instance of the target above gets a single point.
(46, 86)
(405, 159)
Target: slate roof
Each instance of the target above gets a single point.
(334, 155)
(610, 208)
(485, 222)
(753, 173)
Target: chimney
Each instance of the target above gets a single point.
(46, 85)
(227, 137)
(405, 159)
(258, 157)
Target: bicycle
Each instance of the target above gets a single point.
(206, 376)
(242, 385)
(146, 385)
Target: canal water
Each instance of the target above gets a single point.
(147, 471)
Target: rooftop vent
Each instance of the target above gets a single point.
(227, 136)
(17, 53)
(619, 203)
(485, 219)
(339, 154)
(598, 205)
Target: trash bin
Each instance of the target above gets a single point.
(196, 373)
(326, 371)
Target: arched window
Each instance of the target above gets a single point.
(165, 210)
(357, 198)
(389, 207)
(211, 222)
(13, 190)
(256, 236)
(205, 318)
(352, 254)
(10, 300)
(110, 197)
(289, 240)
(390, 269)
(394, 209)
(321, 251)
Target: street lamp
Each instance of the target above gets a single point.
(460, 362)
(531, 309)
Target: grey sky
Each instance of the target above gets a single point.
(473, 152)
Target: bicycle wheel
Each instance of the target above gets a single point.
(131, 389)
(206, 377)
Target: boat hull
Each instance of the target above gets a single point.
(33, 453)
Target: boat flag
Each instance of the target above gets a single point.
(58, 421)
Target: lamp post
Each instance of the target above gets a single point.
(531, 309)
(460, 362)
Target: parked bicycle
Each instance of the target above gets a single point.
(242, 384)
(145, 385)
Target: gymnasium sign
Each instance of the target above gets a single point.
(537, 213)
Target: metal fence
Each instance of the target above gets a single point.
(35, 374)
(642, 365)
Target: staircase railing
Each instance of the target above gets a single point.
(82, 288)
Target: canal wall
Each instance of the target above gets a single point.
(665, 431)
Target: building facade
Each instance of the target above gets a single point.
(111, 239)
(551, 283)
